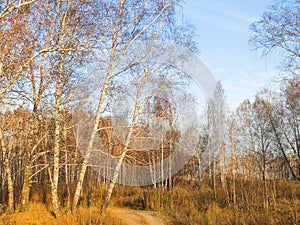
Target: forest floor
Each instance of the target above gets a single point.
(138, 217)
(37, 214)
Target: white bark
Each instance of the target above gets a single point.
(10, 185)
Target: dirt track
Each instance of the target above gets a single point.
(136, 217)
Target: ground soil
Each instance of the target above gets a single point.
(138, 217)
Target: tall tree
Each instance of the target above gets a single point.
(44, 44)
(133, 21)
(278, 30)
(285, 124)
(76, 25)
(216, 117)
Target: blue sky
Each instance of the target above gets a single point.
(222, 37)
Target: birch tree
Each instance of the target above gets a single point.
(56, 37)
(216, 114)
(278, 31)
(284, 119)
(77, 28)
(6, 162)
(16, 53)
(128, 22)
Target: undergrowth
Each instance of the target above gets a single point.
(189, 203)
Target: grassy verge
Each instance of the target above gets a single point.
(186, 204)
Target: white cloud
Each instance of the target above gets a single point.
(223, 23)
(221, 16)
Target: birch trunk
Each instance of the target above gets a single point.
(10, 185)
(124, 152)
(56, 149)
(27, 160)
(113, 183)
(99, 108)
(26, 187)
(90, 145)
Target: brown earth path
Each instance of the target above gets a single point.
(138, 217)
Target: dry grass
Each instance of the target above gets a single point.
(37, 214)
(184, 204)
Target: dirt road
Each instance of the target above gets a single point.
(136, 217)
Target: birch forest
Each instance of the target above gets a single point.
(90, 86)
